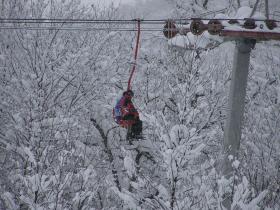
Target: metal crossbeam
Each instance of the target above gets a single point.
(257, 35)
(247, 29)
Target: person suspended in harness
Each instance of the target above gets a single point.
(126, 115)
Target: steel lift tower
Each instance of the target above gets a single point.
(246, 33)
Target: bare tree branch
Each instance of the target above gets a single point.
(108, 151)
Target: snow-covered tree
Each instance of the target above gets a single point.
(60, 148)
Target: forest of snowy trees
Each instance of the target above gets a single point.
(53, 157)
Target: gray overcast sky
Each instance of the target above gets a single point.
(108, 2)
(143, 9)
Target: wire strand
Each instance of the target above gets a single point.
(101, 21)
(77, 28)
(75, 22)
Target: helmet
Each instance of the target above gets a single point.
(128, 93)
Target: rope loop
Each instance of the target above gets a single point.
(135, 53)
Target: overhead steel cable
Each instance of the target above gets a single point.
(71, 19)
(108, 20)
(76, 28)
(76, 22)
(59, 20)
(115, 21)
(106, 25)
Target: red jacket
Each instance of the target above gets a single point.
(125, 114)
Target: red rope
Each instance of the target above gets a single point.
(135, 56)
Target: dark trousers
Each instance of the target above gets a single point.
(136, 128)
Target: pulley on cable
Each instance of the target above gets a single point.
(124, 112)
